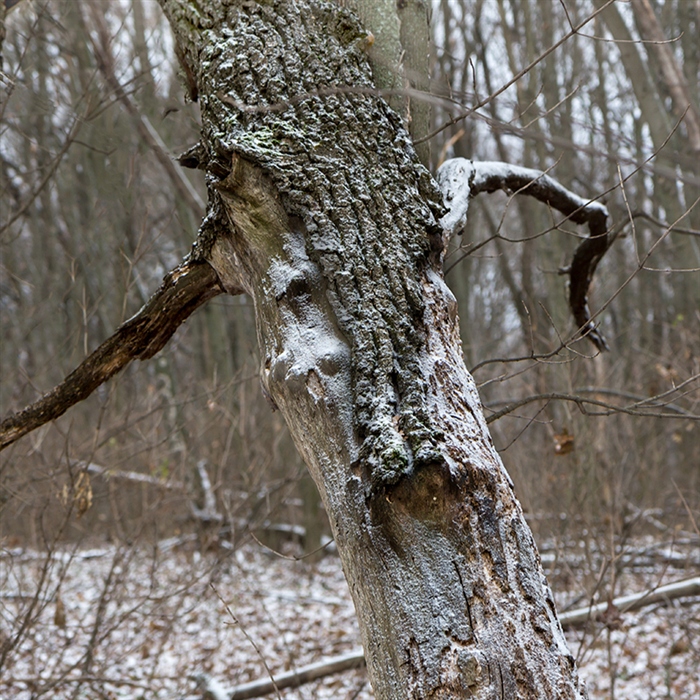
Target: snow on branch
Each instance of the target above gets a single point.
(460, 180)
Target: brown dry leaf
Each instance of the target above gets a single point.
(680, 646)
(667, 373)
(612, 617)
(563, 443)
(83, 494)
(59, 615)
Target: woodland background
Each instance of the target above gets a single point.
(92, 217)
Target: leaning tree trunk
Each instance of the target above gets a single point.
(321, 211)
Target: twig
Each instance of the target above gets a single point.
(581, 402)
(271, 683)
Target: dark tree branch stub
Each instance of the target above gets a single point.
(462, 179)
(182, 291)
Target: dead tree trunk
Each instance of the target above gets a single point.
(320, 210)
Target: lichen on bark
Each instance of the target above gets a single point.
(282, 91)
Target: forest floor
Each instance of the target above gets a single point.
(138, 623)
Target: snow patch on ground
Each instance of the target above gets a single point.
(147, 623)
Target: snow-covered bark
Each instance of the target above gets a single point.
(320, 209)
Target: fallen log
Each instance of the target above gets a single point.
(634, 601)
(290, 679)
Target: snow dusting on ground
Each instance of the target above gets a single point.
(153, 623)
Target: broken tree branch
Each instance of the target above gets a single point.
(134, 477)
(182, 291)
(208, 514)
(461, 180)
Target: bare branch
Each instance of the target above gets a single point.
(663, 224)
(183, 290)
(461, 180)
(670, 72)
(143, 124)
(467, 112)
(136, 477)
(581, 402)
(50, 170)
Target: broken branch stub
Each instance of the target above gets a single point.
(461, 180)
(183, 290)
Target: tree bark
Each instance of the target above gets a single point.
(320, 209)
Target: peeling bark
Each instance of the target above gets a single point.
(321, 210)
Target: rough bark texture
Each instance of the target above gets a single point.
(320, 209)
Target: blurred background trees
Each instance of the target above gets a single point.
(600, 115)
(93, 216)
